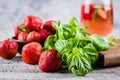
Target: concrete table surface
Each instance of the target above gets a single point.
(12, 12)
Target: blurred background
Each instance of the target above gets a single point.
(12, 12)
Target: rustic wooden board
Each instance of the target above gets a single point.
(110, 57)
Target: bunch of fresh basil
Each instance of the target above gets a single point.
(78, 49)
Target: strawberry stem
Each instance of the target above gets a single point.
(22, 29)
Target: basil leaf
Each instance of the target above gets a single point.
(60, 45)
(99, 42)
(63, 48)
(95, 15)
(77, 63)
(111, 41)
(56, 25)
(74, 22)
(68, 31)
(79, 35)
(50, 42)
(84, 41)
(59, 31)
(91, 51)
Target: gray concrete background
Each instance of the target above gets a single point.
(12, 12)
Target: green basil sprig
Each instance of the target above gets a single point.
(78, 49)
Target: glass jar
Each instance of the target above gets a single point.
(98, 15)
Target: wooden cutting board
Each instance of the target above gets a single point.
(110, 57)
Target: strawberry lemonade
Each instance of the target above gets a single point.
(98, 17)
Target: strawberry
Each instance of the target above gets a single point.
(102, 13)
(50, 60)
(19, 28)
(33, 36)
(87, 11)
(22, 36)
(44, 34)
(31, 52)
(8, 49)
(33, 22)
(48, 26)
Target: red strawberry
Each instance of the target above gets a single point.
(102, 13)
(33, 36)
(31, 52)
(87, 11)
(8, 49)
(48, 26)
(33, 22)
(19, 28)
(22, 36)
(50, 60)
(44, 34)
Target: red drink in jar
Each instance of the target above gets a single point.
(98, 17)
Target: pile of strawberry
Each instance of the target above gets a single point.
(33, 30)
